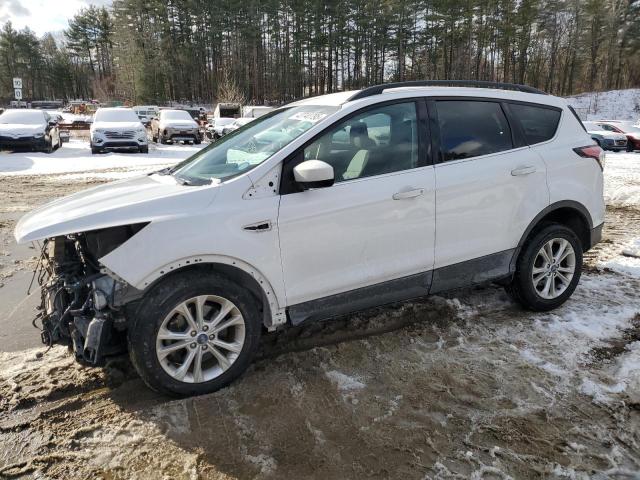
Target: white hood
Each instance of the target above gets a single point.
(136, 200)
(116, 126)
(21, 129)
(177, 124)
(605, 134)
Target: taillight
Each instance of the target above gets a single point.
(592, 151)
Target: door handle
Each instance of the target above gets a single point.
(523, 170)
(408, 194)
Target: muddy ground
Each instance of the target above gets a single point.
(467, 386)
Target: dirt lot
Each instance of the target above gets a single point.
(467, 386)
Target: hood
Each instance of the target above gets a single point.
(21, 129)
(605, 134)
(116, 125)
(136, 200)
(178, 124)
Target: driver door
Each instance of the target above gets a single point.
(376, 223)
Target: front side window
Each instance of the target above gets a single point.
(250, 145)
(539, 123)
(472, 128)
(378, 141)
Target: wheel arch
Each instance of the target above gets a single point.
(569, 213)
(234, 269)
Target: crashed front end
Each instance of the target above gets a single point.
(83, 305)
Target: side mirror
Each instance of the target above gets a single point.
(314, 174)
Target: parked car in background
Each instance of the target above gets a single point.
(58, 116)
(236, 124)
(175, 126)
(232, 110)
(607, 139)
(146, 113)
(289, 220)
(255, 111)
(216, 127)
(117, 128)
(626, 128)
(29, 129)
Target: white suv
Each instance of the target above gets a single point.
(117, 128)
(322, 207)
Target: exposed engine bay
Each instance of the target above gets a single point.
(82, 305)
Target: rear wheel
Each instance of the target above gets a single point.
(548, 269)
(194, 334)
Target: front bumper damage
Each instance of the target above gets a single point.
(83, 306)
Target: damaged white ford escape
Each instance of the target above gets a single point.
(325, 206)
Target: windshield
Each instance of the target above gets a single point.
(22, 116)
(116, 115)
(249, 146)
(175, 115)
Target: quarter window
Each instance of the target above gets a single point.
(539, 123)
(380, 140)
(472, 128)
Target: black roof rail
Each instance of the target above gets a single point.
(378, 89)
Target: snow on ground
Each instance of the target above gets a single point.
(627, 262)
(622, 179)
(74, 162)
(611, 105)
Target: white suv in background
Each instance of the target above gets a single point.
(117, 128)
(325, 206)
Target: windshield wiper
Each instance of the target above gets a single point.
(191, 183)
(164, 171)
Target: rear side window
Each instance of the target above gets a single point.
(539, 123)
(472, 128)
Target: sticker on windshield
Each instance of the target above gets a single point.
(308, 116)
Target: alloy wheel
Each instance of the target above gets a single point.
(553, 268)
(200, 338)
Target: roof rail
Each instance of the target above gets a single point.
(378, 89)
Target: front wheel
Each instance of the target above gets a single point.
(143, 149)
(194, 334)
(548, 269)
(49, 147)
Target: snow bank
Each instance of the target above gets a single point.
(612, 105)
(75, 157)
(622, 179)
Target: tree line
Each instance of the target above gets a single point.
(272, 51)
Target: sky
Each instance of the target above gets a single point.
(43, 16)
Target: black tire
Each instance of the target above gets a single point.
(629, 146)
(49, 148)
(144, 149)
(95, 150)
(159, 302)
(522, 289)
(161, 138)
(197, 141)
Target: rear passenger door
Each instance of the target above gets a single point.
(489, 187)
